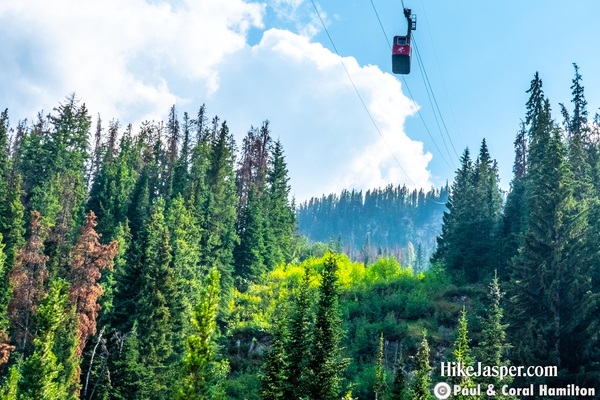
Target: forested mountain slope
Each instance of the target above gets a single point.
(390, 221)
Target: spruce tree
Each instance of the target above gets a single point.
(299, 341)
(28, 280)
(204, 374)
(42, 373)
(493, 347)
(380, 373)
(155, 303)
(462, 355)
(326, 363)
(421, 383)
(399, 390)
(273, 376)
(546, 278)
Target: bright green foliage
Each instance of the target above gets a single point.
(185, 242)
(326, 364)
(421, 384)
(462, 355)
(42, 376)
(273, 377)
(203, 373)
(493, 346)
(380, 373)
(10, 387)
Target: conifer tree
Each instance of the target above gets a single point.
(326, 363)
(546, 277)
(42, 372)
(453, 243)
(185, 243)
(88, 259)
(218, 206)
(203, 374)
(28, 281)
(421, 384)
(462, 355)
(514, 218)
(155, 302)
(281, 215)
(380, 374)
(299, 342)
(400, 384)
(273, 376)
(251, 251)
(493, 346)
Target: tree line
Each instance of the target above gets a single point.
(118, 257)
(386, 221)
(543, 241)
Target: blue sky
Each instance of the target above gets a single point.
(252, 60)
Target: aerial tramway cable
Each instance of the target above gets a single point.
(358, 94)
(410, 95)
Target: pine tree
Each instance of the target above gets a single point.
(203, 374)
(88, 259)
(454, 242)
(42, 372)
(421, 384)
(299, 342)
(156, 302)
(273, 376)
(514, 218)
(251, 250)
(28, 280)
(326, 363)
(380, 373)
(280, 213)
(400, 384)
(185, 243)
(493, 346)
(462, 355)
(218, 207)
(547, 279)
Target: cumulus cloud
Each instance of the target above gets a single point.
(133, 59)
(331, 143)
(124, 57)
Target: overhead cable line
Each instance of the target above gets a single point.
(410, 95)
(433, 103)
(358, 94)
(426, 77)
(437, 61)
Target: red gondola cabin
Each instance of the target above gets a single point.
(401, 52)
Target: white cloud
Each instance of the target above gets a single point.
(330, 141)
(123, 57)
(131, 60)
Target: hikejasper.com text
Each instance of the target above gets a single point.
(457, 369)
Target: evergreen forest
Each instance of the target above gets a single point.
(170, 262)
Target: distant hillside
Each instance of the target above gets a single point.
(392, 221)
